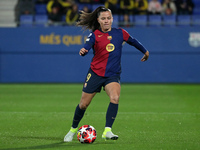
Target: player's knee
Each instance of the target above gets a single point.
(114, 99)
(83, 105)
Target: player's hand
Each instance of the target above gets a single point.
(83, 51)
(146, 56)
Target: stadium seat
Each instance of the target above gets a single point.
(26, 20)
(40, 9)
(131, 18)
(115, 20)
(184, 20)
(196, 10)
(169, 20)
(196, 20)
(41, 20)
(140, 20)
(155, 20)
(122, 22)
(120, 18)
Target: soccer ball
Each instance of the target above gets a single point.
(86, 134)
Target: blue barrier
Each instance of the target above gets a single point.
(32, 55)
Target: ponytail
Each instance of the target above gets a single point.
(89, 20)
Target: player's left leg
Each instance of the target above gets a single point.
(113, 91)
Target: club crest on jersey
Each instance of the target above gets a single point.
(109, 37)
(110, 47)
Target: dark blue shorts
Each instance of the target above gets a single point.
(94, 83)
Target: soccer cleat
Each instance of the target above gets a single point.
(69, 136)
(107, 134)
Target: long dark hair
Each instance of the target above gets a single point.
(89, 20)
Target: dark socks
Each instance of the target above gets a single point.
(111, 114)
(78, 115)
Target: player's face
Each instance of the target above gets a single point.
(105, 20)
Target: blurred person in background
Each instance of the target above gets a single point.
(112, 5)
(54, 4)
(85, 1)
(61, 5)
(169, 7)
(54, 16)
(98, 1)
(126, 21)
(55, 11)
(86, 9)
(184, 7)
(26, 7)
(67, 4)
(126, 8)
(155, 7)
(141, 7)
(41, 1)
(72, 15)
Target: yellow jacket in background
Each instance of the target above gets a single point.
(131, 6)
(50, 3)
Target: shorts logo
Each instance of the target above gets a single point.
(88, 78)
(85, 85)
(110, 47)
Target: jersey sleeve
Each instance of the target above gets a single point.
(89, 41)
(126, 35)
(132, 41)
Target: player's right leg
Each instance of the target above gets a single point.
(78, 115)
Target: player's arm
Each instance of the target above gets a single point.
(83, 51)
(140, 47)
(88, 44)
(134, 42)
(146, 56)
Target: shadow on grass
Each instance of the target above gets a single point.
(53, 145)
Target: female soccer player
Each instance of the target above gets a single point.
(105, 67)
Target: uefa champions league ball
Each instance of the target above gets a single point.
(86, 134)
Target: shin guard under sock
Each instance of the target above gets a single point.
(111, 114)
(78, 115)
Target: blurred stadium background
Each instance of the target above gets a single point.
(34, 49)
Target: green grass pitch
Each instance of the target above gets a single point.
(150, 117)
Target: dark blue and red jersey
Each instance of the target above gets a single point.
(107, 48)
